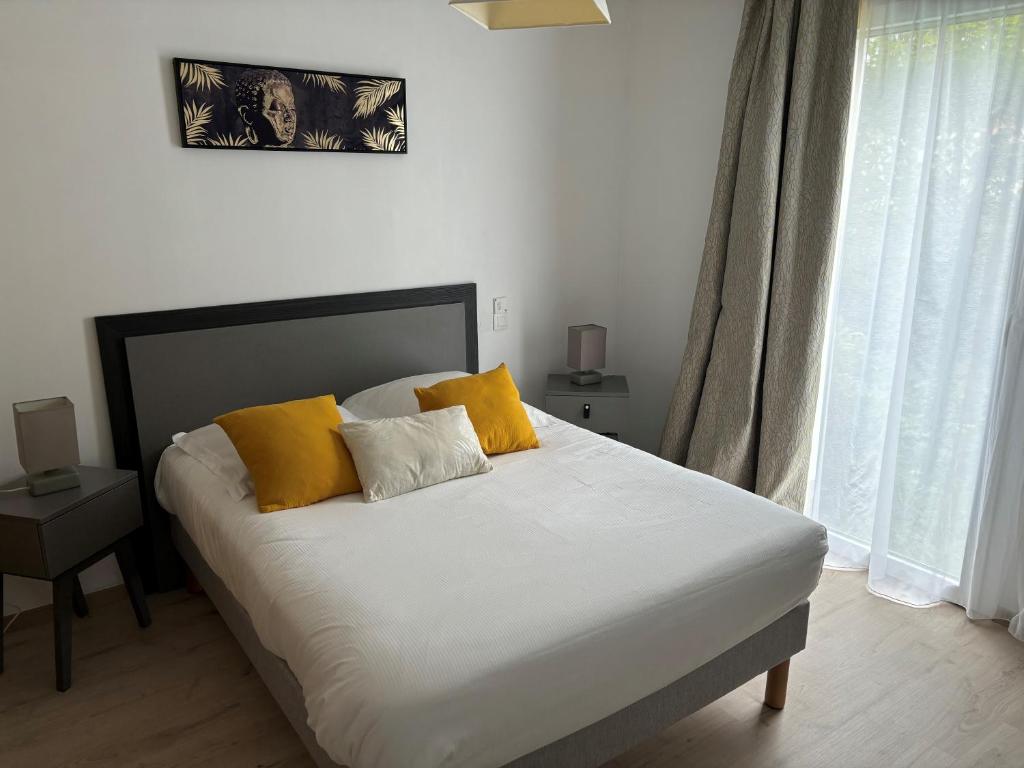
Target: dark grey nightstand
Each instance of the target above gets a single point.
(55, 537)
(601, 407)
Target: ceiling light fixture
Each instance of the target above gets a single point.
(524, 14)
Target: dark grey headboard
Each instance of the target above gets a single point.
(173, 371)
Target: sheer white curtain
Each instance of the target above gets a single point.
(992, 586)
(927, 250)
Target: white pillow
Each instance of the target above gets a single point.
(537, 417)
(347, 415)
(211, 447)
(395, 456)
(397, 398)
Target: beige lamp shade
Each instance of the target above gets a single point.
(523, 14)
(46, 434)
(586, 347)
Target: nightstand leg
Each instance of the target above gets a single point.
(78, 601)
(132, 581)
(2, 622)
(192, 585)
(63, 596)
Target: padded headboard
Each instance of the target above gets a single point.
(173, 371)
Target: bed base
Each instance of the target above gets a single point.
(770, 649)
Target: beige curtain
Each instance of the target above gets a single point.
(743, 409)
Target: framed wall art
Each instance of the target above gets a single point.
(250, 106)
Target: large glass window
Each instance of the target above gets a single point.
(928, 237)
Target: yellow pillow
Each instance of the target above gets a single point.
(293, 450)
(494, 407)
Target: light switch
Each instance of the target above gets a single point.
(500, 309)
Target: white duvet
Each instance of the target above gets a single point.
(472, 622)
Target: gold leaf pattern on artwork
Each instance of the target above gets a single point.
(196, 118)
(371, 94)
(202, 77)
(321, 140)
(229, 140)
(396, 116)
(380, 140)
(332, 82)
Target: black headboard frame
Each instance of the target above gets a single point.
(175, 370)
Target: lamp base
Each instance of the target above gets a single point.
(53, 480)
(583, 378)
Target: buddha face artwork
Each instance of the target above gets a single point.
(266, 104)
(243, 106)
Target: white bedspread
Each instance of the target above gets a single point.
(472, 622)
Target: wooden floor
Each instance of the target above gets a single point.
(879, 686)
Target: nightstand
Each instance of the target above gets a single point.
(55, 537)
(601, 407)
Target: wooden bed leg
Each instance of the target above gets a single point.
(775, 687)
(192, 585)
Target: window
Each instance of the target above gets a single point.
(927, 240)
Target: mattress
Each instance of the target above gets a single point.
(472, 622)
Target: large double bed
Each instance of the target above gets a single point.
(553, 612)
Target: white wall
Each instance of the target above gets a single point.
(679, 59)
(570, 170)
(511, 182)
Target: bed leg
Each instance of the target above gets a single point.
(775, 687)
(192, 585)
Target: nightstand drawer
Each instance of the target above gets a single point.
(598, 414)
(91, 526)
(21, 552)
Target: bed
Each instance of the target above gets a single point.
(553, 612)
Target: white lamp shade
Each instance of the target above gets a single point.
(523, 14)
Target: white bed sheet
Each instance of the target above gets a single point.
(469, 623)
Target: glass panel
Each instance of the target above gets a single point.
(933, 201)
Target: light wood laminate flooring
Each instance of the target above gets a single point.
(879, 686)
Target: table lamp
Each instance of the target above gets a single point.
(586, 352)
(47, 444)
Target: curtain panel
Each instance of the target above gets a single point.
(992, 583)
(744, 406)
(919, 446)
